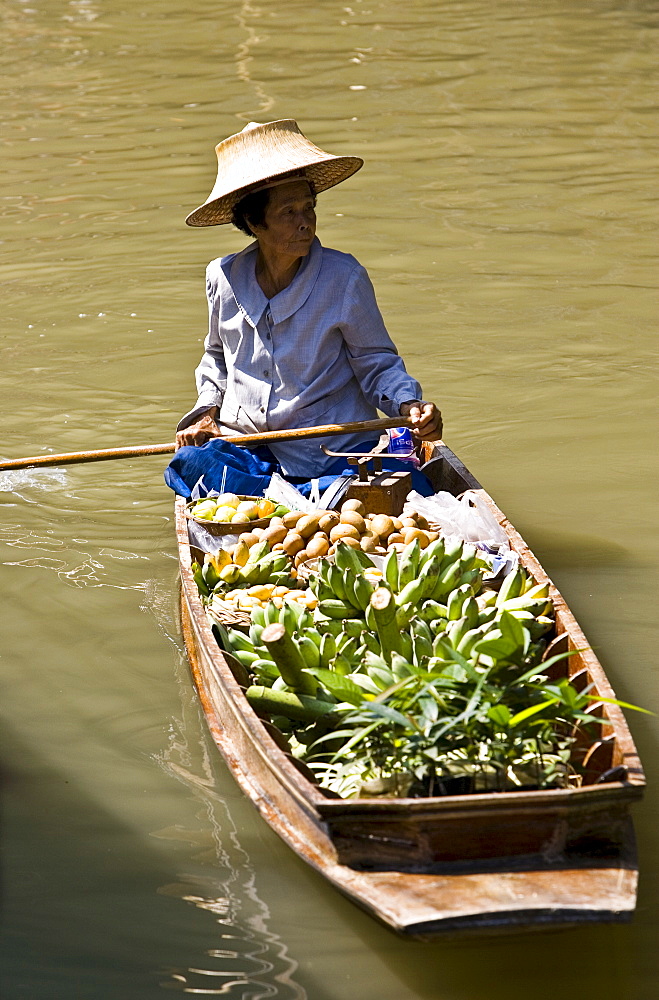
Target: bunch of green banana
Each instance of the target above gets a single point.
(244, 567)
(340, 586)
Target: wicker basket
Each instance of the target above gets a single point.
(227, 614)
(226, 527)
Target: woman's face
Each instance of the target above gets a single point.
(289, 222)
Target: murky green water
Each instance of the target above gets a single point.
(507, 214)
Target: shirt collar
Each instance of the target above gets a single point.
(239, 270)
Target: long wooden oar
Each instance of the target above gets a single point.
(106, 454)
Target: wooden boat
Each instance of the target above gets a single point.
(459, 863)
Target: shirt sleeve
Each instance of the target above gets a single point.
(372, 354)
(211, 372)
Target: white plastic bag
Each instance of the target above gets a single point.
(283, 492)
(467, 518)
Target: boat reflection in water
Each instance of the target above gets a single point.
(250, 961)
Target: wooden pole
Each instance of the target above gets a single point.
(244, 440)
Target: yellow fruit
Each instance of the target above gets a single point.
(307, 525)
(241, 553)
(293, 516)
(317, 546)
(265, 507)
(293, 543)
(328, 521)
(240, 518)
(228, 500)
(249, 508)
(382, 525)
(224, 513)
(410, 534)
(275, 533)
(354, 518)
(205, 509)
(343, 531)
(353, 505)
(395, 538)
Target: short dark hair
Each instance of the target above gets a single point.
(252, 207)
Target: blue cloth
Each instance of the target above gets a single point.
(248, 471)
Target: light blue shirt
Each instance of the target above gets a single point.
(318, 352)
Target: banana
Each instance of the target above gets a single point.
(230, 574)
(348, 648)
(457, 630)
(470, 638)
(511, 586)
(309, 650)
(313, 634)
(469, 555)
(362, 592)
(537, 591)
(412, 593)
(456, 600)
(241, 553)
(446, 581)
(271, 613)
(336, 609)
(238, 640)
(336, 582)
(342, 664)
(245, 657)
(486, 616)
(258, 616)
(363, 558)
(473, 577)
(265, 669)
(434, 551)
(371, 642)
(209, 574)
(255, 633)
(429, 573)
(354, 627)
(404, 615)
(405, 643)
(327, 650)
(421, 628)
(452, 553)
(347, 560)
(471, 612)
(288, 618)
(421, 650)
(258, 551)
(408, 564)
(390, 570)
(535, 606)
(431, 610)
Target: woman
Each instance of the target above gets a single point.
(296, 338)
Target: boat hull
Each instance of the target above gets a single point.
(452, 864)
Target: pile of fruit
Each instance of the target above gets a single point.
(230, 508)
(371, 625)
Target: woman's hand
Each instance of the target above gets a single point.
(201, 431)
(426, 419)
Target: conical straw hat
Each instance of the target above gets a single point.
(263, 153)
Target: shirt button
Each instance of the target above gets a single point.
(267, 336)
(263, 409)
(266, 372)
